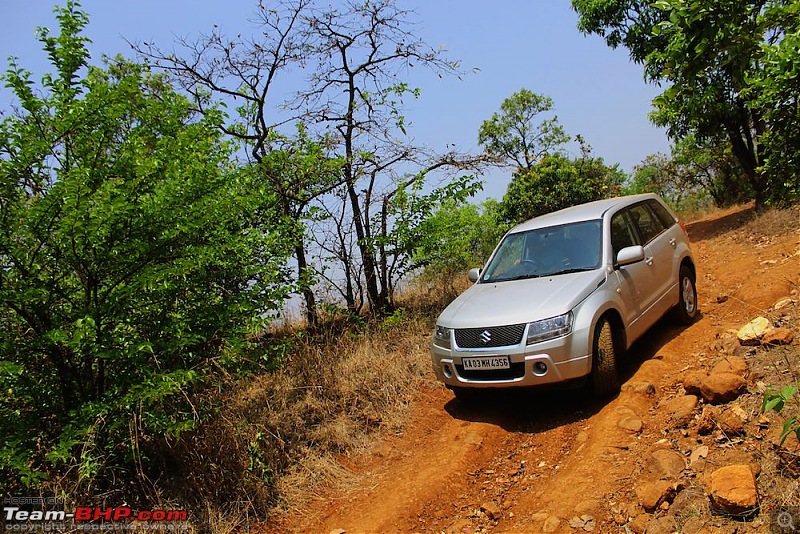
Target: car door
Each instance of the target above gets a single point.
(633, 279)
(659, 255)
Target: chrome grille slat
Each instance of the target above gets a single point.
(491, 336)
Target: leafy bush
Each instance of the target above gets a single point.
(558, 182)
(458, 237)
(133, 261)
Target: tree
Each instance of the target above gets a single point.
(694, 170)
(558, 182)
(711, 57)
(244, 72)
(776, 91)
(358, 54)
(513, 135)
(355, 55)
(458, 236)
(132, 256)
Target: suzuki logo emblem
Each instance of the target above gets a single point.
(486, 336)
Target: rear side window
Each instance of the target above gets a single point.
(648, 225)
(661, 212)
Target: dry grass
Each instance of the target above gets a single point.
(278, 437)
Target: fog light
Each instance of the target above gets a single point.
(448, 372)
(539, 368)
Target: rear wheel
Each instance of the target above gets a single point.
(605, 381)
(685, 311)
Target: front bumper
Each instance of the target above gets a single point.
(549, 362)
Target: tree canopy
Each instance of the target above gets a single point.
(520, 132)
(131, 255)
(728, 68)
(558, 182)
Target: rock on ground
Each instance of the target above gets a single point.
(733, 490)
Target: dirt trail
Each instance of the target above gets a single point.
(531, 462)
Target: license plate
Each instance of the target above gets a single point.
(486, 362)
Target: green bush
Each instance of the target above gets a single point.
(134, 260)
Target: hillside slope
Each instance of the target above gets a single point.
(564, 462)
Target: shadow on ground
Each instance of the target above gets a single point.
(711, 228)
(534, 410)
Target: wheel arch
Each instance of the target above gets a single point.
(614, 318)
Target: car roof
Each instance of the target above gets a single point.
(582, 212)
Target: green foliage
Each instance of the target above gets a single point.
(558, 182)
(457, 237)
(132, 255)
(627, 23)
(696, 174)
(776, 401)
(774, 90)
(729, 69)
(411, 211)
(514, 135)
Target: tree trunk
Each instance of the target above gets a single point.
(746, 154)
(304, 275)
(368, 260)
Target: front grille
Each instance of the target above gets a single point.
(517, 370)
(493, 336)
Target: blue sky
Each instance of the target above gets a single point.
(598, 93)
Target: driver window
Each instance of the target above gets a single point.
(621, 233)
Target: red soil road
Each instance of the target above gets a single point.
(535, 457)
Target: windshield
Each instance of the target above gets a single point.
(547, 251)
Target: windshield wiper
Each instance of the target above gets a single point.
(568, 271)
(522, 277)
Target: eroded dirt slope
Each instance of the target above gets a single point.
(562, 461)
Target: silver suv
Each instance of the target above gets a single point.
(564, 295)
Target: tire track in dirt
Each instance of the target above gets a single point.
(534, 460)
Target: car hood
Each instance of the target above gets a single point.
(520, 301)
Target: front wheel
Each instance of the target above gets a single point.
(685, 312)
(605, 381)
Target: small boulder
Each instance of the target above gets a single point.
(731, 421)
(733, 490)
(667, 463)
(719, 388)
(779, 336)
(692, 383)
(708, 420)
(751, 333)
(551, 524)
(662, 525)
(681, 410)
(492, 510)
(639, 523)
(631, 423)
(698, 457)
(652, 494)
(731, 364)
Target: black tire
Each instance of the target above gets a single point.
(685, 312)
(604, 379)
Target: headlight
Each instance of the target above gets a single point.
(549, 328)
(441, 336)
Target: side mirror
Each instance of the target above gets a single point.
(629, 255)
(475, 273)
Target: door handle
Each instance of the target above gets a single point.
(649, 261)
(673, 242)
